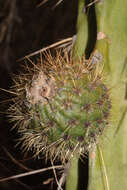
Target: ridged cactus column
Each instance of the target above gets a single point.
(108, 160)
(82, 31)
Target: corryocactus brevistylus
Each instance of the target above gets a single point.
(61, 106)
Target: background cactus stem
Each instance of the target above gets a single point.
(112, 44)
(82, 32)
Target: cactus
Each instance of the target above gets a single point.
(61, 108)
(107, 160)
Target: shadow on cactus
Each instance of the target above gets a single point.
(61, 107)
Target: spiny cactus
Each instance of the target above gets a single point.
(61, 107)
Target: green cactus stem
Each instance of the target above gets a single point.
(108, 166)
(82, 32)
(72, 178)
(61, 110)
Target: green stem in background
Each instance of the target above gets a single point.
(78, 51)
(108, 166)
(82, 32)
(72, 178)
